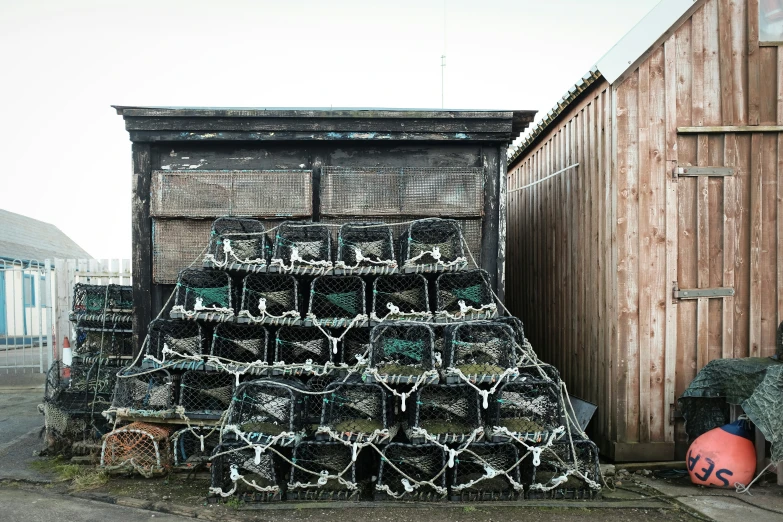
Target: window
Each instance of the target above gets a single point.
(28, 288)
(771, 22)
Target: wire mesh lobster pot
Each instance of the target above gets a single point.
(447, 412)
(89, 390)
(358, 411)
(487, 471)
(139, 446)
(240, 343)
(314, 400)
(528, 408)
(524, 355)
(355, 349)
(315, 468)
(240, 471)
(109, 343)
(203, 294)
(263, 409)
(556, 461)
(184, 338)
(412, 472)
(194, 445)
(365, 248)
(481, 351)
(401, 353)
(400, 297)
(464, 296)
(100, 299)
(237, 244)
(302, 248)
(270, 299)
(336, 301)
(205, 395)
(303, 350)
(144, 391)
(432, 245)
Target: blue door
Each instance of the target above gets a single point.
(3, 328)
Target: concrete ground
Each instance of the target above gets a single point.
(20, 429)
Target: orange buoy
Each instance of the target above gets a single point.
(722, 457)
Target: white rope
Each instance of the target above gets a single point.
(741, 488)
(436, 255)
(396, 314)
(297, 260)
(228, 250)
(390, 263)
(464, 310)
(420, 379)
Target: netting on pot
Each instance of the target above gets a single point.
(243, 472)
(139, 447)
(527, 409)
(314, 400)
(194, 445)
(432, 245)
(302, 248)
(267, 411)
(144, 391)
(487, 471)
(400, 297)
(99, 299)
(365, 248)
(323, 471)
(524, 351)
(205, 395)
(237, 244)
(401, 353)
(412, 472)
(172, 340)
(563, 473)
(337, 301)
(479, 351)
(203, 294)
(108, 343)
(240, 343)
(300, 351)
(464, 296)
(444, 413)
(358, 411)
(89, 390)
(355, 348)
(270, 299)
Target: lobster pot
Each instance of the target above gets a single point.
(430, 245)
(270, 299)
(481, 350)
(355, 345)
(401, 352)
(314, 400)
(487, 471)
(246, 242)
(265, 408)
(400, 297)
(203, 294)
(523, 355)
(182, 337)
(366, 248)
(355, 410)
(240, 343)
(295, 345)
(108, 343)
(239, 471)
(54, 381)
(447, 412)
(313, 461)
(139, 390)
(407, 465)
(139, 447)
(205, 395)
(336, 301)
(439, 345)
(100, 299)
(556, 461)
(64, 427)
(90, 389)
(525, 408)
(464, 296)
(310, 246)
(191, 446)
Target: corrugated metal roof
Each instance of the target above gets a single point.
(28, 239)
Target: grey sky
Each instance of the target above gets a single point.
(66, 155)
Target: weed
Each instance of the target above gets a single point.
(469, 509)
(89, 479)
(234, 503)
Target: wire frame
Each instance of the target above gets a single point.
(296, 345)
(240, 343)
(140, 391)
(247, 243)
(139, 446)
(365, 248)
(400, 297)
(482, 471)
(194, 445)
(312, 462)
(528, 408)
(302, 248)
(100, 299)
(556, 460)
(236, 467)
(481, 350)
(203, 294)
(523, 354)
(185, 338)
(464, 296)
(205, 395)
(314, 400)
(336, 301)
(265, 408)
(432, 245)
(355, 347)
(420, 462)
(270, 299)
(448, 412)
(401, 352)
(355, 409)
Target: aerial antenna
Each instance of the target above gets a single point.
(443, 59)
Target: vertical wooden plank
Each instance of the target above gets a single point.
(726, 77)
(599, 380)
(729, 245)
(778, 254)
(617, 399)
(768, 58)
(141, 237)
(754, 63)
(739, 65)
(756, 163)
(591, 363)
(609, 387)
(580, 202)
(742, 275)
(769, 215)
(697, 70)
(589, 148)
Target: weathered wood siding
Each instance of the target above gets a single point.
(651, 229)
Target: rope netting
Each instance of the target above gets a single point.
(401, 353)
(205, 394)
(240, 343)
(412, 472)
(358, 411)
(337, 301)
(322, 470)
(479, 351)
(445, 413)
(194, 445)
(169, 340)
(266, 408)
(245, 473)
(487, 471)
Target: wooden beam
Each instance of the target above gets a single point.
(723, 129)
(141, 239)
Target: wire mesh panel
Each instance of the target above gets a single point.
(144, 391)
(400, 297)
(323, 471)
(139, 446)
(412, 472)
(194, 445)
(527, 409)
(237, 244)
(357, 411)
(302, 248)
(337, 301)
(270, 299)
(566, 474)
(176, 244)
(205, 395)
(432, 245)
(464, 296)
(444, 412)
(265, 409)
(240, 343)
(365, 248)
(246, 474)
(203, 294)
(401, 353)
(487, 471)
(172, 340)
(355, 349)
(478, 351)
(300, 351)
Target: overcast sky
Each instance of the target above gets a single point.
(65, 153)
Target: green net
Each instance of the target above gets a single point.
(763, 408)
(211, 296)
(471, 293)
(346, 301)
(411, 349)
(94, 303)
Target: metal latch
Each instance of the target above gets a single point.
(703, 171)
(698, 293)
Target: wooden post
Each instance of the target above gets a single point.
(141, 236)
